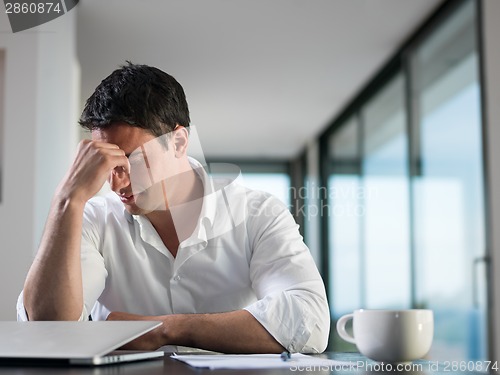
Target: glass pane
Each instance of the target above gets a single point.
(278, 184)
(448, 187)
(268, 177)
(386, 200)
(344, 226)
(344, 221)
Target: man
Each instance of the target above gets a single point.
(223, 267)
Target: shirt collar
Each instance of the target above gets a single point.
(224, 201)
(206, 219)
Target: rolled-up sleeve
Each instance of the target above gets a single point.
(292, 303)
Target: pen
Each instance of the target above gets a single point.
(285, 356)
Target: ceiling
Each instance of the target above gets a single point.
(262, 77)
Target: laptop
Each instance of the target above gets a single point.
(75, 343)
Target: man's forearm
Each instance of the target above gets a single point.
(53, 288)
(230, 332)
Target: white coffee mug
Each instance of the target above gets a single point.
(390, 335)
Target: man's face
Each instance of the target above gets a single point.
(143, 190)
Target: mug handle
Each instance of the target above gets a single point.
(341, 328)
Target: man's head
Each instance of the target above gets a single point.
(144, 112)
(139, 95)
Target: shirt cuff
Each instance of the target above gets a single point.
(284, 317)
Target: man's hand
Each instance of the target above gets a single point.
(230, 332)
(90, 169)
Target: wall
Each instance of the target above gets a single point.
(491, 69)
(39, 138)
(58, 107)
(2, 111)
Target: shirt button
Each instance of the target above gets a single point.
(177, 278)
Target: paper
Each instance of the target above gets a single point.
(262, 361)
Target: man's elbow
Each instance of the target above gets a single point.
(311, 332)
(321, 341)
(318, 341)
(40, 312)
(48, 316)
(51, 315)
(320, 333)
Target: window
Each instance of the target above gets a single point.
(278, 184)
(448, 185)
(405, 159)
(369, 208)
(386, 199)
(344, 226)
(271, 177)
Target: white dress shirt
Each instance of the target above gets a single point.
(245, 253)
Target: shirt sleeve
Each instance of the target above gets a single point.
(22, 316)
(292, 303)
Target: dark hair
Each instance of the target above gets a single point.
(139, 95)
